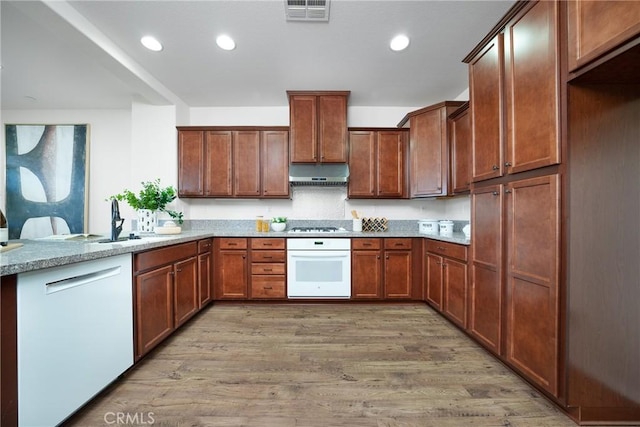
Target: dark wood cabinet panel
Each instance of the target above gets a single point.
(532, 74)
(486, 73)
(153, 308)
(398, 274)
(318, 126)
(455, 292)
(377, 161)
(275, 163)
(205, 273)
(268, 268)
(185, 293)
(246, 163)
(219, 163)
(598, 27)
(434, 280)
(460, 139)
(190, 164)
(232, 277)
(532, 278)
(366, 274)
(486, 291)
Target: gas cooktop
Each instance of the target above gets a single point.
(317, 230)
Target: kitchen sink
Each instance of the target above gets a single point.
(125, 241)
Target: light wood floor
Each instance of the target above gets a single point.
(320, 365)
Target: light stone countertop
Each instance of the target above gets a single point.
(39, 254)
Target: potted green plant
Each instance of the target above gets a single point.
(278, 223)
(150, 200)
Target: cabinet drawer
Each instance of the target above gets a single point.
(233, 243)
(262, 243)
(447, 249)
(167, 255)
(397, 243)
(364, 244)
(267, 268)
(268, 256)
(204, 246)
(268, 286)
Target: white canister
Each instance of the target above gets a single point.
(446, 227)
(428, 226)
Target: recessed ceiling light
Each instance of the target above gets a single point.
(151, 43)
(399, 42)
(225, 42)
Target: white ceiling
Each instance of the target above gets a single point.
(87, 54)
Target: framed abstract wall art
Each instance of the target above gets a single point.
(47, 179)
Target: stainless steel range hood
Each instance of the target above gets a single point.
(327, 174)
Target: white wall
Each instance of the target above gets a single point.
(131, 146)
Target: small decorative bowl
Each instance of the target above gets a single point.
(278, 226)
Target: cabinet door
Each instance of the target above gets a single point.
(532, 278)
(486, 294)
(231, 274)
(304, 129)
(185, 293)
(434, 280)
(455, 291)
(332, 128)
(531, 49)
(366, 275)
(246, 163)
(461, 153)
(362, 164)
(154, 308)
(485, 94)
(597, 27)
(397, 274)
(275, 163)
(390, 176)
(426, 133)
(219, 158)
(204, 279)
(190, 163)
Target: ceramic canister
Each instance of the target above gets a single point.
(428, 226)
(446, 227)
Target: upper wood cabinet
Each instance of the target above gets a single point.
(318, 125)
(429, 149)
(460, 139)
(377, 163)
(233, 162)
(515, 94)
(596, 28)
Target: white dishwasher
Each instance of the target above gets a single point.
(75, 336)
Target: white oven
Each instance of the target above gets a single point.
(318, 268)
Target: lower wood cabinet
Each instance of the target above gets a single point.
(231, 268)
(166, 293)
(382, 268)
(268, 268)
(205, 271)
(446, 279)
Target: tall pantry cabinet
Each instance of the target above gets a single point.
(514, 77)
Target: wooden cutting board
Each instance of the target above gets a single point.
(10, 246)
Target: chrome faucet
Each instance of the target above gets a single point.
(115, 217)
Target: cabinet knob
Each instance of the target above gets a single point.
(507, 191)
(387, 257)
(378, 256)
(495, 193)
(507, 164)
(495, 167)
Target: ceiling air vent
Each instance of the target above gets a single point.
(307, 10)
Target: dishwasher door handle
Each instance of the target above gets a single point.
(73, 282)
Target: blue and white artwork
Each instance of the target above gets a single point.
(46, 180)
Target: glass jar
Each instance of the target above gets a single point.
(259, 222)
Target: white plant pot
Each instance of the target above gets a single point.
(278, 226)
(147, 220)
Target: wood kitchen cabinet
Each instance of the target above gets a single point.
(318, 126)
(268, 268)
(600, 28)
(231, 269)
(446, 286)
(377, 163)
(239, 162)
(429, 149)
(398, 268)
(205, 272)
(460, 144)
(165, 293)
(366, 268)
(515, 94)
